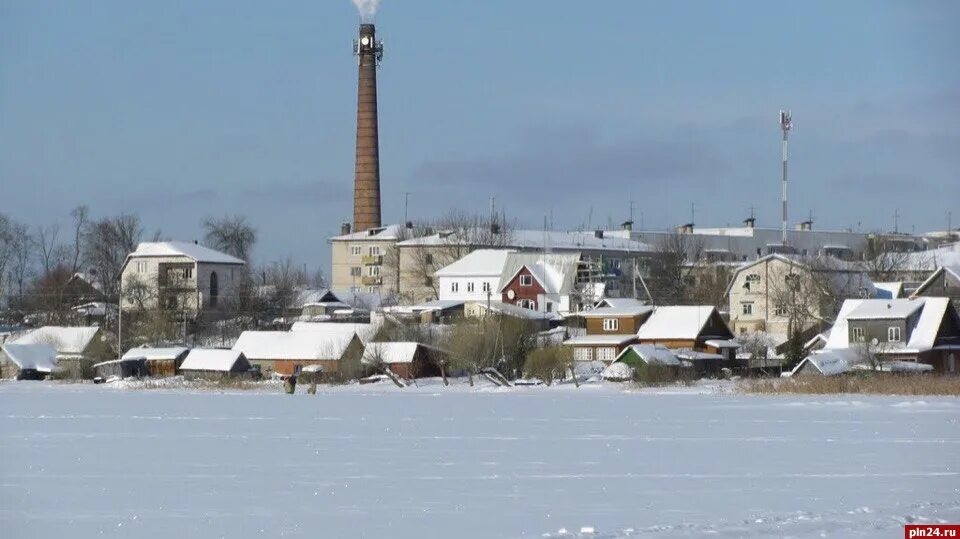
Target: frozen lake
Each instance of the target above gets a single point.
(90, 461)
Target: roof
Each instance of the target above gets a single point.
(391, 352)
(651, 354)
(38, 357)
(337, 330)
(619, 302)
(620, 309)
(879, 309)
(889, 290)
(538, 239)
(829, 362)
(953, 270)
(389, 232)
(840, 332)
(683, 322)
(686, 353)
(193, 251)
(845, 277)
(616, 338)
(66, 340)
(156, 354)
(924, 334)
(929, 260)
(555, 272)
(723, 343)
(516, 311)
(209, 359)
(296, 345)
(317, 296)
(479, 263)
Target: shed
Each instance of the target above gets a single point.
(286, 352)
(210, 362)
(132, 367)
(159, 361)
(827, 362)
(405, 359)
(649, 354)
(29, 361)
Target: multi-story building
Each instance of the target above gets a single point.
(360, 260)
(177, 276)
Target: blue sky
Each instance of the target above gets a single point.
(177, 110)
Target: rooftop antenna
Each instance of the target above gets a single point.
(786, 122)
(896, 220)
(406, 205)
(693, 213)
(632, 206)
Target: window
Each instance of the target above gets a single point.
(355, 250)
(374, 250)
(606, 353)
(486, 286)
(526, 303)
(857, 334)
(142, 266)
(372, 289)
(583, 354)
(454, 286)
(746, 308)
(428, 258)
(780, 310)
(893, 334)
(470, 286)
(526, 280)
(793, 281)
(373, 271)
(355, 272)
(753, 278)
(611, 324)
(549, 307)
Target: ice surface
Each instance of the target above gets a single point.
(379, 461)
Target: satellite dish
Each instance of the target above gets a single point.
(511, 294)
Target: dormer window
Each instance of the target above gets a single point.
(893, 334)
(611, 324)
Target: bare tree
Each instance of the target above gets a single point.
(50, 251)
(106, 245)
(231, 234)
(6, 249)
(284, 279)
(21, 267)
(672, 267)
(81, 217)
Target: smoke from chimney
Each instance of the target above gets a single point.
(367, 8)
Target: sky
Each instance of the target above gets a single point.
(180, 110)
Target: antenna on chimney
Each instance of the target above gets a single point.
(786, 122)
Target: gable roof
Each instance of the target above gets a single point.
(923, 336)
(556, 273)
(388, 232)
(295, 345)
(392, 352)
(339, 332)
(479, 263)
(38, 357)
(889, 290)
(210, 359)
(156, 354)
(879, 309)
(620, 309)
(651, 354)
(67, 340)
(193, 251)
(829, 362)
(845, 276)
(952, 270)
(681, 322)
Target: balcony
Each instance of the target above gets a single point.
(371, 281)
(372, 260)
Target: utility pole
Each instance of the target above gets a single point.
(406, 205)
(896, 220)
(786, 122)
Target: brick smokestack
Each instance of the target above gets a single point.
(366, 183)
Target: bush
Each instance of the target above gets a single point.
(654, 375)
(548, 363)
(863, 383)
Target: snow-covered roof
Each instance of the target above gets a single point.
(155, 354)
(555, 272)
(89, 279)
(68, 341)
(925, 333)
(723, 343)
(193, 251)
(840, 332)
(688, 354)
(516, 311)
(337, 332)
(953, 270)
(885, 309)
(538, 239)
(845, 277)
(682, 322)
(391, 352)
(617, 372)
(210, 359)
(929, 260)
(652, 354)
(317, 296)
(889, 290)
(619, 309)
(616, 338)
(38, 357)
(479, 263)
(294, 345)
(829, 362)
(389, 232)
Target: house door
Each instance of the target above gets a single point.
(214, 289)
(952, 363)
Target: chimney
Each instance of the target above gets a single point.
(345, 229)
(805, 226)
(627, 225)
(366, 184)
(685, 229)
(750, 222)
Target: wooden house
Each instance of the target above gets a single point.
(405, 359)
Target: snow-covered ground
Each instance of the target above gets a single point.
(378, 461)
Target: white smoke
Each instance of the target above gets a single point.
(367, 8)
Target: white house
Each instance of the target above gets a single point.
(475, 277)
(177, 275)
